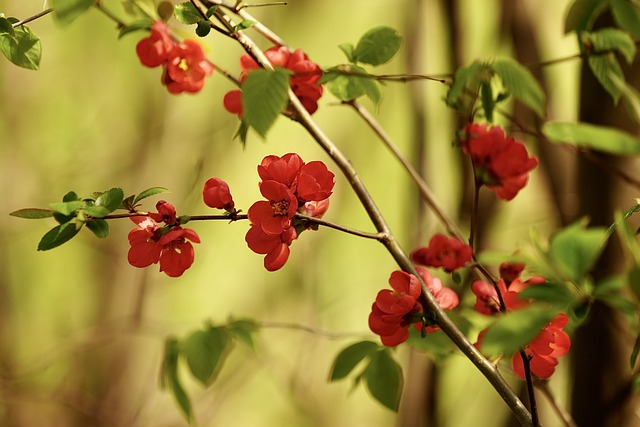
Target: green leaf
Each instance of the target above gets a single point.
(20, 45)
(352, 82)
(203, 29)
(139, 25)
(627, 237)
(99, 227)
(205, 351)
(630, 97)
(465, 77)
(149, 192)
(264, 96)
(32, 213)
(488, 104)
(57, 236)
(383, 377)
(515, 329)
(66, 208)
(350, 357)
(110, 199)
(169, 377)
(186, 13)
(603, 67)
(584, 135)
(348, 49)
(377, 46)
(242, 133)
(520, 82)
(243, 330)
(211, 11)
(243, 25)
(611, 39)
(633, 280)
(70, 197)
(575, 249)
(634, 353)
(583, 14)
(96, 211)
(65, 11)
(626, 14)
(555, 294)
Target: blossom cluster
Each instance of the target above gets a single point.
(169, 244)
(184, 64)
(289, 185)
(394, 311)
(499, 162)
(551, 342)
(303, 81)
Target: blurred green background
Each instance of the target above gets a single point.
(81, 331)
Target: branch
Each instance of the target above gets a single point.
(32, 18)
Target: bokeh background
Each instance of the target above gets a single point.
(81, 331)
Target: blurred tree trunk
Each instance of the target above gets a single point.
(600, 351)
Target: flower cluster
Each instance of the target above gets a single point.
(184, 64)
(550, 344)
(500, 163)
(394, 311)
(303, 82)
(290, 185)
(447, 252)
(168, 244)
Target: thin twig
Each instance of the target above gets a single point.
(565, 416)
(322, 333)
(32, 18)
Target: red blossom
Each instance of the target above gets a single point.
(501, 163)
(154, 50)
(545, 349)
(186, 68)
(274, 246)
(166, 213)
(303, 82)
(487, 301)
(449, 253)
(184, 65)
(394, 311)
(216, 195)
(151, 244)
(274, 215)
(283, 169)
(315, 182)
(510, 271)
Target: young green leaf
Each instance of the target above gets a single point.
(377, 46)
(347, 49)
(554, 293)
(110, 199)
(243, 330)
(488, 104)
(169, 377)
(203, 29)
(609, 140)
(70, 197)
(264, 96)
(515, 329)
(575, 249)
(350, 357)
(57, 236)
(603, 67)
(243, 25)
(383, 377)
(611, 39)
(99, 227)
(186, 13)
(583, 14)
(95, 211)
(138, 25)
(465, 77)
(634, 353)
(20, 45)
(149, 192)
(205, 351)
(352, 82)
(630, 97)
(66, 208)
(32, 213)
(626, 14)
(66, 11)
(519, 81)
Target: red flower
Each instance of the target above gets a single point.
(274, 246)
(166, 213)
(447, 252)
(394, 311)
(186, 68)
(487, 301)
(545, 349)
(216, 195)
(154, 50)
(315, 209)
(510, 271)
(303, 82)
(184, 64)
(151, 244)
(283, 169)
(315, 182)
(274, 215)
(500, 163)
